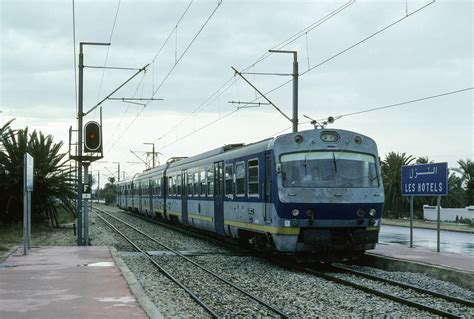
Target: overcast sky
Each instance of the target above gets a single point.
(428, 53)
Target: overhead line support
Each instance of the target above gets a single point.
(108, 96)
(263, 95)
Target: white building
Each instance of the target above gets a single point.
(448, 214)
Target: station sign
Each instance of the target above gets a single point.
(28, 171)
(425, 179)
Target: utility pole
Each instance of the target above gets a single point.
(153, 153)
(118, 170)
(80, 213)
(295, 86)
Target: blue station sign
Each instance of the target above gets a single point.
(425, 180)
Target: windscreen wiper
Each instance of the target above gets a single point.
(334, 161)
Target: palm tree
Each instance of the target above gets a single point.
(391, 172)
(466, 169)
(53, 186)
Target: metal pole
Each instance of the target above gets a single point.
(25, 220)
(411, 221)
(153, 155)
(295, 92)
(98, 185)
(86, 207)
(79, 149)
(28, 198)
(439, 223)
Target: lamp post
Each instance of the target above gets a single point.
(295, 86)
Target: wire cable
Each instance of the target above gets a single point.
(108, 49)
(403, 103)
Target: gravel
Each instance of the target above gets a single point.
(294, 293)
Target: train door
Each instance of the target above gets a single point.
(184, 197)
(267, 216)
(219, 198)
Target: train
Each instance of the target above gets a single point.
(316, 192)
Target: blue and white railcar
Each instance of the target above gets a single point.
(312, 191)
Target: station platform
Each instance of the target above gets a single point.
(65, 282)
(448, 266)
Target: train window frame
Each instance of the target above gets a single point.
(229, 180)
(210, 180)
(237, 193)
(249, 182)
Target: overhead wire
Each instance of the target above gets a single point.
(299, 34)
(403, 103)
(153, 70)
(108, 49)
(231, 81)
(173, 67)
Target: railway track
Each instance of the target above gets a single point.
(198, 297)
(417, 297)
(413, 296)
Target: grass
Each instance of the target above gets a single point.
(41, 235)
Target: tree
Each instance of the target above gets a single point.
(109, 191)
(53, 184)
(391, 172)
(466, 169)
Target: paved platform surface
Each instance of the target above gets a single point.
(65, 282)
(427, 256)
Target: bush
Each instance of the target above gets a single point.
(110, 198)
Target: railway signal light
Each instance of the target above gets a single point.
(93, 137)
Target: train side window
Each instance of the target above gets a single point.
(253, 178)
(170, 185)
(178, 185)
(175, 184)
(202, 180)
(229, 173)
(240, 179)
(190, 184)
(210, 181)
(196, 184)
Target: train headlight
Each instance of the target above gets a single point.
(372, 212)
(360, 212)
(310, 212)
(329, 137)
(295, 212)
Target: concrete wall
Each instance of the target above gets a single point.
(448, 214)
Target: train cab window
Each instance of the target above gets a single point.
(229, 182)
(253, 178)
(202, 181)
(190, 184)
(210, 181)
(240, 179)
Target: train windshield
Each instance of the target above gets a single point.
(329, 169)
